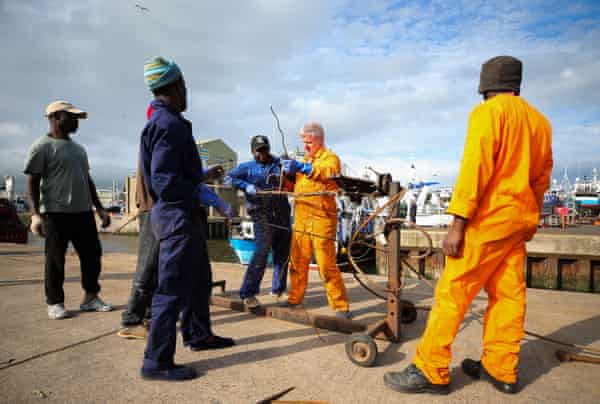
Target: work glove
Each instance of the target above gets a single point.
(37, 225)
(250, 190)
(104, 218)
(294, 166)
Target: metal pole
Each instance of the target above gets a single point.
(394, 304)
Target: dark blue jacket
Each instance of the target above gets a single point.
(172, 168)
(275, 207)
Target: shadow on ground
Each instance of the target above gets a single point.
(272, 352)
(537, 356)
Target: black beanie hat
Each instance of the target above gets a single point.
(259, 141)
(501, 73)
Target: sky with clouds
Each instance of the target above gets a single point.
(392, 82)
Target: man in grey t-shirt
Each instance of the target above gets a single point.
(61, 194)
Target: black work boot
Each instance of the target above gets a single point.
(477, 371)
(412, 380)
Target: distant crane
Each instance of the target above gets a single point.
(142, 8)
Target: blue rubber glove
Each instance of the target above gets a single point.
(294, 166)
(206, 196)
(250, 190)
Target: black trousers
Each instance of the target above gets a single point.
(145, 280)
(80, 229)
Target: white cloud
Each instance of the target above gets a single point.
(391, 84)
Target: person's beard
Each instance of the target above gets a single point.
(68, 127)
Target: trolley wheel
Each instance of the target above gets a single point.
(409, 312)
(361, 349)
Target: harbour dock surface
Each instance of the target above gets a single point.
(82, 360)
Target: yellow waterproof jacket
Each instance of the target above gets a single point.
(324, 165)
(505, 168)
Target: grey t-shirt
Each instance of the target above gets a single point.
(64, 168)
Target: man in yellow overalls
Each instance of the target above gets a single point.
(496, 204)
(315, 221)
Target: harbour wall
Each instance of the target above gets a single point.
(554, 261)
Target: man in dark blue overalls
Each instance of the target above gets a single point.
(172, 169)
(135, 317)
(271, 217)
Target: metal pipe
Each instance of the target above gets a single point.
(298, 316)
(376, 328)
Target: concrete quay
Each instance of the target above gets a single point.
(81, 360)
(575, 242)
(556, 259)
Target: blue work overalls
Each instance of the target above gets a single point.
(172, 168)
(271, 217)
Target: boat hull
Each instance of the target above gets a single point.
(244, 249)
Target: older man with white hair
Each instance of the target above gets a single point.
(315, 220)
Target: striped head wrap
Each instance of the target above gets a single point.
(160, 72)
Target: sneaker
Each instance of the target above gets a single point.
(173, 373)
(96, 304)
(212, 342)
(346, 315)
(477, 371)
(135, 332)
(412, 380)
(251, 302)
(57, 311)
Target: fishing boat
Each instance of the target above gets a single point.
(586, 192)
(242, 242)
(425, 204)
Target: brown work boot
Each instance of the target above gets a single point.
(135, 332)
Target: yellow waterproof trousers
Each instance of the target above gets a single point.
(316, 236)
(498, 266)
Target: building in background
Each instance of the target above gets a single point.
(216, 151)
(212, 151)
